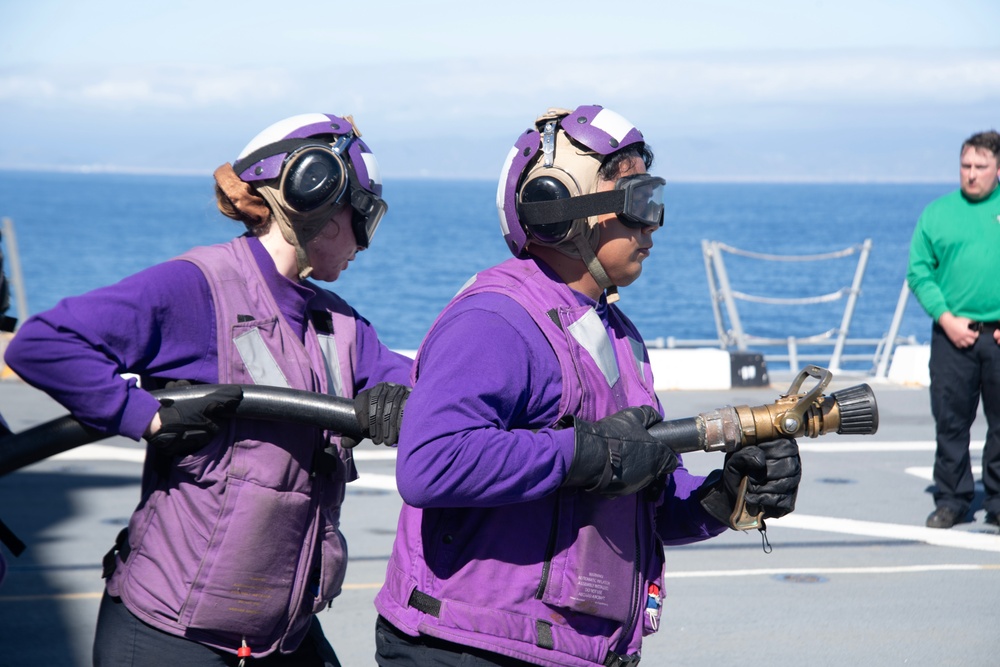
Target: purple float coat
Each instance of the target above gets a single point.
(480, 469)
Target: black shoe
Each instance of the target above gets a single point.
(942, 517)
(992, 519)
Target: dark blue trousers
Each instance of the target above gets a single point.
(393, 647)
(124, 641)
(958, 378)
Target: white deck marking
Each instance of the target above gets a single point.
(101, 453)
(903, 569)
(841, 447)
(958, 539)
(374, 480)
(368, 452)
(927, 472)
(138, 454)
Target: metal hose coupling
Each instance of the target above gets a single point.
(799, 413)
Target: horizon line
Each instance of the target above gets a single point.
(756, 179)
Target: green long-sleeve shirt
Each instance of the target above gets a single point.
(955, 257)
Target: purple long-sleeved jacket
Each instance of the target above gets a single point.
(158, 324)
(498, 414)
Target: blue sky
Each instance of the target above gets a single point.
(876, 90)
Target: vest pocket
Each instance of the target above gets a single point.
(328, 581)
(593, 569)
(246, 579)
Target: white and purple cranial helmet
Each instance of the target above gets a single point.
(308, 167)
(547, 194)
(559, 158)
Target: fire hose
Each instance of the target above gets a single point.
(795, 413)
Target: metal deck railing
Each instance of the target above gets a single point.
(832, 348)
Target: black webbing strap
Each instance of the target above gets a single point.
(10, 540)
(544, 632)
(122, 548)
(425, 603)
(322, 320)
(615, 660)
(573, 208)
(270, 150)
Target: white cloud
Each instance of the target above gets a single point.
(451, 116)
(127, 92)
(784, 78)
(21, 87)
(132, 89)
(456, 88)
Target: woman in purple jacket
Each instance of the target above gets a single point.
(536, 503)
(235, 543)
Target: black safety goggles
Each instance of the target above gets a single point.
(643, 205)
(315, 174)
(367, 210)
(636, 199)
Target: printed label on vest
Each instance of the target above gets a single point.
(594, 571)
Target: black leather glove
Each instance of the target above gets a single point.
(380, 413)
(616, 456)
(187, 426)
(773, 471)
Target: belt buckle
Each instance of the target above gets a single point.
(976, 326)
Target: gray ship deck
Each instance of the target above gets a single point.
(854, 577)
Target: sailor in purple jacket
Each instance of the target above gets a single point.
(235, 543)
(536, 504)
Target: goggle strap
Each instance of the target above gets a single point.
(573, 208)
(277, 148)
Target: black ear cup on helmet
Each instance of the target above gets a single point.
(546, 188)
(311, 177)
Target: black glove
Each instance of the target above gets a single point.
(187, 426)
(773, 471)
(380, 413)
(616, 456)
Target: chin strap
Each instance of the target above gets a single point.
(302, 262)
(594, 266)
(288, 233)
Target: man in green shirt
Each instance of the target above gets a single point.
(953, 272)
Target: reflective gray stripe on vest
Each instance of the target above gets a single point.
(264, 370)
(334, 385)
(590, 333)
(258, 360)
(468, 283)
(640, 357)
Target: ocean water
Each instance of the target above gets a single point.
(76, 232)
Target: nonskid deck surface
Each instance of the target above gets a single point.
(854, 576)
